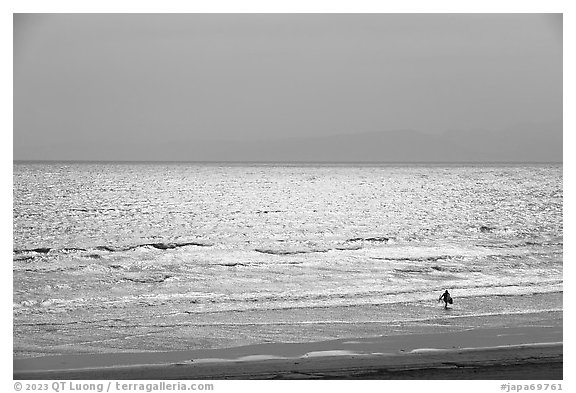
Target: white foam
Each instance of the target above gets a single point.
(329, 353)
(251, 358)
(248, 358)
(428, 350)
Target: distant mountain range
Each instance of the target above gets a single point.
(519, 144)
(528, 143)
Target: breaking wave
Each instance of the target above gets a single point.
(27, 254)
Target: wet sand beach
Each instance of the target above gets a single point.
(519, 352)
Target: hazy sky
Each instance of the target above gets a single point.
(113, 86)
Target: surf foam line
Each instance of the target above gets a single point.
(348, 322)
(318, 322)
(263, 304)
(424, 295)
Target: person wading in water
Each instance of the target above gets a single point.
(446, 297)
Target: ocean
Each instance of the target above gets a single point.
(130, 257)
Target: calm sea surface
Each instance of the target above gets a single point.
(127, 257)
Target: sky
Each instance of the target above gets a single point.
(227, 86)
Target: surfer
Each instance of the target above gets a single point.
(446, 297)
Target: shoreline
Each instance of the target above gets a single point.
(543, 362)
(524, 352)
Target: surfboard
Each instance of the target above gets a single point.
(450, 301)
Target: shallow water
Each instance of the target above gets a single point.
(154, 256)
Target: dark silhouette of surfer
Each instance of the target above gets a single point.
(446, 297)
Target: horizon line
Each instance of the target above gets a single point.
(287, 162)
